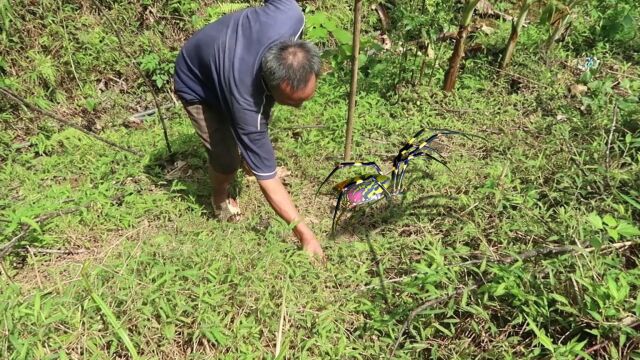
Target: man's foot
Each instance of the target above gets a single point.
(228, 210)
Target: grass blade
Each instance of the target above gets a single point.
(111, 318)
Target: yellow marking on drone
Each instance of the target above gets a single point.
(357, 164)
(423, 144)
(411, 140)
(341, 185)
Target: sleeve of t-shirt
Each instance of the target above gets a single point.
(255, 146)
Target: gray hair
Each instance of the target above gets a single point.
(291, 61)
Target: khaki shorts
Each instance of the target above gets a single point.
(215, 133)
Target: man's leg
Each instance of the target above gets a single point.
(221, 184)
(224, 160)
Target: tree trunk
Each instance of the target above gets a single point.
(458, 51)
(515, 33)
(511, 46)
(451, 76)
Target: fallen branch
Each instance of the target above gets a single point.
(517, 76)
(12, 96)
(562, 250)
(24, 229)
(57, 251)
(622, 74)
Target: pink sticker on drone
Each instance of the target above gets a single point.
(355, 197)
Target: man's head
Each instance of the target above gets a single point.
(291, 69)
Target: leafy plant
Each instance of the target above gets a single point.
(323, 29)
(615, 228)
(558, 16)
(619, 24)
(215, 12)
(159, 67)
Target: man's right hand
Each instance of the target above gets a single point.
(309, 243)
(279, 199)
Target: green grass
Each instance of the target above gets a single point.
(147, 271)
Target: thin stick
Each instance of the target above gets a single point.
(622, 74)
(426, 305)
(35, 265)
(613, 126)
(142, 75)
(478, 261)
(281, 325)
(4, 271)
(522, 257)
(594, 348)
(56, 251)
(357, 14)
(12, 96)
(4, 249)
(433, 68)
(516, 75)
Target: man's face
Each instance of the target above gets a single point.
(284, 95)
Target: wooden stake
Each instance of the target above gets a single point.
(357, 14)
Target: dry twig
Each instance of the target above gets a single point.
(517, 76)
(281, 325)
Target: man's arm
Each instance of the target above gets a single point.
(257, 150)
(279, 199)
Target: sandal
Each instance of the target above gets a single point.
(226, 211)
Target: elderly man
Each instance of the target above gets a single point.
(229, 75)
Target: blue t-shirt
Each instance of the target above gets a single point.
(220, 65)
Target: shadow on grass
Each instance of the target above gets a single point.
(368, 220)
(185, 171)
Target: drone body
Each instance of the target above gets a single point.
(371, 188)
(363, 189)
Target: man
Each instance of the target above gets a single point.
(228, 76)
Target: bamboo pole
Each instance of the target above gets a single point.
(458, 52)
(357, 15)
(516, 27)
